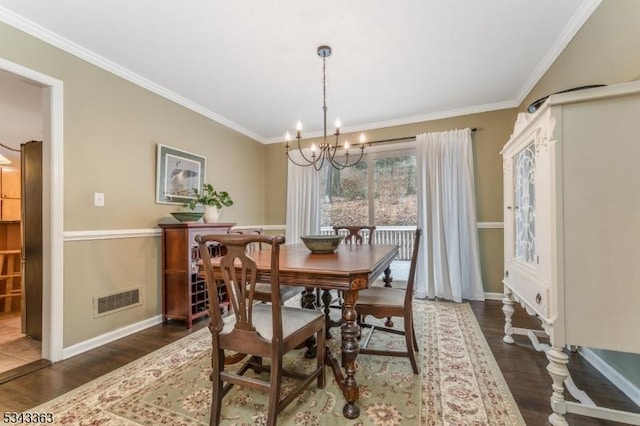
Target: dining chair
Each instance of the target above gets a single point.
(359, 234)
(258, 329)
(263, 291)
(382, 302)
(355, 234)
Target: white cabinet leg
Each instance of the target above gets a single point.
(507, 308)
(557, 368)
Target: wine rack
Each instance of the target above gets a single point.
(184, 292)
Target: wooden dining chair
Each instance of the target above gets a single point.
(383, 302)
(260, 330)
(356, 234)
(263, 290)
(359, 234)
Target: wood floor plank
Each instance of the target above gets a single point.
(525, 371)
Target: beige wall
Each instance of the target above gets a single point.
(604, 51)
(111, 128)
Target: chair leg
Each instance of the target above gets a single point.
(410, 340)
(274, 391)
(321, 352)
(217, 390)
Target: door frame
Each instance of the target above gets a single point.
(52, 207)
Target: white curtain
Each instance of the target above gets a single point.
(449, 267)
(303, 200)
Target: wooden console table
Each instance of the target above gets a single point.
(184, 294)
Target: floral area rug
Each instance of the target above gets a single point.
(459, 384)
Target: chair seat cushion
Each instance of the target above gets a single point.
(293, 319)
(263, 292)
(381, 296)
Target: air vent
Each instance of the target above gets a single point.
(116, 301)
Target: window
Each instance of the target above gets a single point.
(344, 196)
(394, 201)
(380, 190)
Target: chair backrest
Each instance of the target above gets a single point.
(238, 272)
(248, 231)
(356, 234)
(412, 270)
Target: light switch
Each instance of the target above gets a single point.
(98, 199)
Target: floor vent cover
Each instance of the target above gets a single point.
(116, 301)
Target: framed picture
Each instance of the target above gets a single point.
(178, 172)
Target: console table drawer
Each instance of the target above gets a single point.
(531, 292)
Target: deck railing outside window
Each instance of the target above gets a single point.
(403, 236)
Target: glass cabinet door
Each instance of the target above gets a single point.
(525, 215)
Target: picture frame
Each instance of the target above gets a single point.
(177, 173)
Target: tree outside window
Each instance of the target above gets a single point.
(380, 191)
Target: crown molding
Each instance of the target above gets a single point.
(577, 21)
(56, 40)
(410, 120)
(29, 27)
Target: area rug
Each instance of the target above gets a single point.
(459, 384)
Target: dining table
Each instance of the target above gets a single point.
(350, 269)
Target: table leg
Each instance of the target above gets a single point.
(350, 349)
(327, 298)
(326, 302)
(388, 279)
(308, 301)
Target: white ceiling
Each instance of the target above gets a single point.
(20, 114)
(252, 64)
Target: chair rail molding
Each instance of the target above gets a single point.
(489, 225)
(110, 234)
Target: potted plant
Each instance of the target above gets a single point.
(212, 200)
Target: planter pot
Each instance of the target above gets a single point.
(211, 214)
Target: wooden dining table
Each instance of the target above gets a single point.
(350, 268)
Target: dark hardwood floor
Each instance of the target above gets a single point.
(525, 371)
(40, 386)
(523, 368)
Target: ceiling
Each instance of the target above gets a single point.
(252, 64)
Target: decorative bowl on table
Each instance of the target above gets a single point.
(322, 243)
(187, 216)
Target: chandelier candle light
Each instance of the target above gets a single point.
(326, 151)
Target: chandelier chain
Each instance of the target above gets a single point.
(324, 95)
(337, 156)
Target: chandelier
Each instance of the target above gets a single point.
(335, 154)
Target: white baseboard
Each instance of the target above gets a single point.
(632, 391)
(493, 296)
(111, 336)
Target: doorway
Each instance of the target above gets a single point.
(20, 224)
(52, 204)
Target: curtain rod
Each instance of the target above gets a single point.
(406, 138)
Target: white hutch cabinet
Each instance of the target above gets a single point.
(572, 231)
